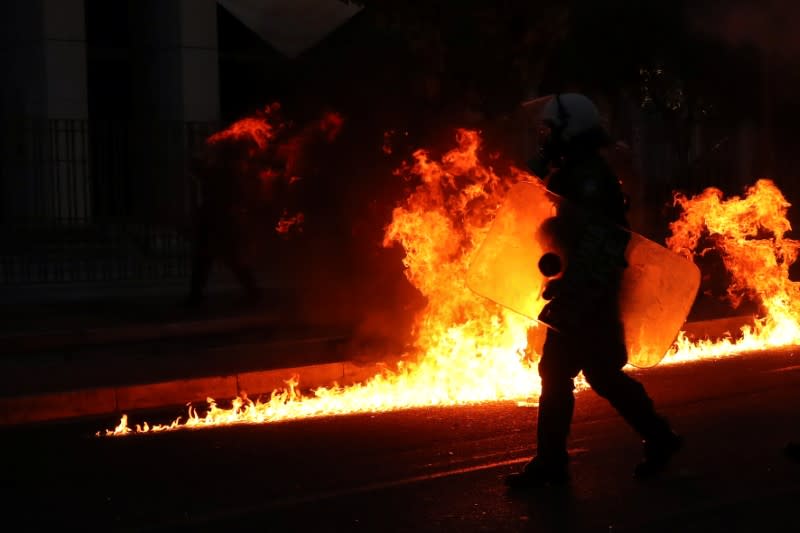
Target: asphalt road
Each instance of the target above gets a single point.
(431, 469)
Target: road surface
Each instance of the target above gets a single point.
(437, 469)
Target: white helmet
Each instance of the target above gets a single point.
(571, 114)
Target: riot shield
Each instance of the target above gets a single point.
(525, 247)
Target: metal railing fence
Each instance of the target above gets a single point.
(91, 200)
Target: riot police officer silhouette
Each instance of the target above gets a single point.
(584, 302)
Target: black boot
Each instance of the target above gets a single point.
(539, 473)
(657, 454)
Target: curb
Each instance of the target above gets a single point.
(110, 400)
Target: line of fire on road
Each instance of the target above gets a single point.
(468, 350)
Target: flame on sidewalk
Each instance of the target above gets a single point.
(469, 350)
(749, 233)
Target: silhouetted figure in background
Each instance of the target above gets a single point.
(250, 179)
(228, 211)
(590, 336)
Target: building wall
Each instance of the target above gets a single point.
(154, 59)
(93, 80)
(44, 58)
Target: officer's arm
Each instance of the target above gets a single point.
(600, 193)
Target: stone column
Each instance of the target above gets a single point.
(45, 107)
(176, 93)
(179, 77)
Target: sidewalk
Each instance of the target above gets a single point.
(68, 318)
(123, 349)
(135, 351)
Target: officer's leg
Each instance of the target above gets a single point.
(630, 399)
(557, 400)
(556, 405)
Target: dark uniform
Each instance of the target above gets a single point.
(584, 305)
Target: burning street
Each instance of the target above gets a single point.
(433, 469)
(466, 348)
(334, 265)
(424, 445)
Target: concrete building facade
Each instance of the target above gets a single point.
(79, 74)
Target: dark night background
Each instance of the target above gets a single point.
(105, 103)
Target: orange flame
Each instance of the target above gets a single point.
(468, 350)
(750, 235)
